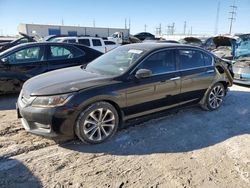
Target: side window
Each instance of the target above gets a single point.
(71, 41)
(84, 42)
(160, 62)
(208, 60)
(190, 59)
(63, 52)
(96, 42)
(27, 55)
(109, 42)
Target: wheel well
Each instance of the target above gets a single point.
(224, 83)
(118, 109)
(115, 105)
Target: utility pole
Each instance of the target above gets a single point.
(94, 23)
(125, 23)
(129, 23)
(145, 28)
(160, 29)
(62, 22)
(217, 19)
(232, 16)
(185, 27)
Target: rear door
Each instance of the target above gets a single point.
(21, 65)
(197, 73)
(61, 56)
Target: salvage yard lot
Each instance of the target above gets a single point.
(190, 148)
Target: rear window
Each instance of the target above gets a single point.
(109, 43)
(85, 42)
(96, 42)
(63, 52)
(193, 59)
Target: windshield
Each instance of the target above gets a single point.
(116, 61)
(243, 46)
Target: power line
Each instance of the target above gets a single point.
(232, 16)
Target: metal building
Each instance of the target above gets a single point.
(45, 30)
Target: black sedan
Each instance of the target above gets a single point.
(127, 82)
(24, 61)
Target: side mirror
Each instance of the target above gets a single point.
(5, 60)
(143, 73)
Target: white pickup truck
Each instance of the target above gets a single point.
(92, 42)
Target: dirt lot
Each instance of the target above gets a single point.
(190, 148)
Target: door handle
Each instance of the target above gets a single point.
(210, 71)
(175, 78)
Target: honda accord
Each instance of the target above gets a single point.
(128, 82)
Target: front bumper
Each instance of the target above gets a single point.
(49, 122)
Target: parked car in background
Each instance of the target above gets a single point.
(144, 36)
(24, 39)
(92, 42)
(241, 66)
(110, 45)
(125, 83)
(192, 41)
(24, 61)
(222, 46)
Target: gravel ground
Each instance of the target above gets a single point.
(190, 148)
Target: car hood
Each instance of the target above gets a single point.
(63, 81)
(224, 40)
(243, 46)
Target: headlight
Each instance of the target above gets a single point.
(51, 101)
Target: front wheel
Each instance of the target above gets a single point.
(215, 96)
(97, 123)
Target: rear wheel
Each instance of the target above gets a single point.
(97, 123)
(215, 96)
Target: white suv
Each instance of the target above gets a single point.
(92, 42)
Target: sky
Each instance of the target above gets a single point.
(200, 15)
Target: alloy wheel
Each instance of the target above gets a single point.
(216, 96)
(99, 124)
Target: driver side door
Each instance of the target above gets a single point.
(158, 91)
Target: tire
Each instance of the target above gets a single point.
(215, 97)
(97, 123)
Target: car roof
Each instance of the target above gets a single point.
(30, 44)
(155, 46)
(79, 37)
